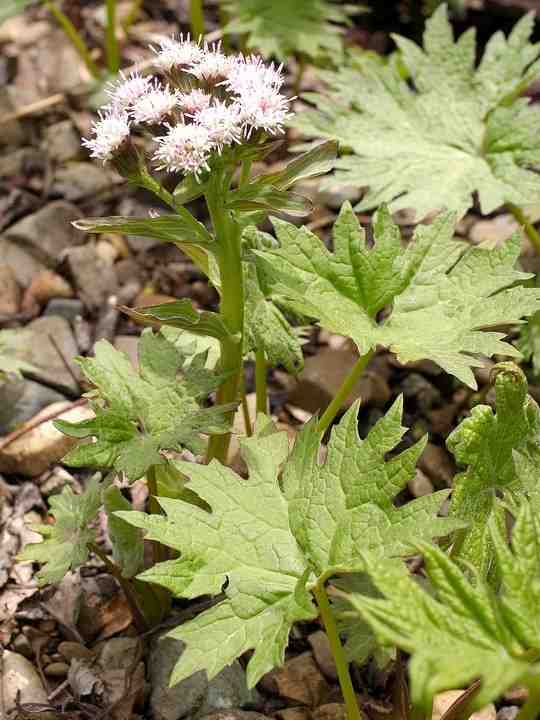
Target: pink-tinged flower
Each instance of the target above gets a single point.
(179, 54)
(193, 102)
(213, 66)
(111, 131)
(185, 149)
(128, 90)
(248, 75)
(223, 122)
(266, 110)
(157, 105)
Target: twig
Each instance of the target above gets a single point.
(16, 434)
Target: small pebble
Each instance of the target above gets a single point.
(70, 650)
(57, 670)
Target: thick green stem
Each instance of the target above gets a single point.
(229, 255)
(531, 232)
(196, 17)
(260, 382)
(132, 15)
(111, 41)
(74, 37)
(342, 667)
(343, 392)
(531, 708)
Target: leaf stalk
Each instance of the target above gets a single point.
(342, 666)
(531, 232)
(344, 392)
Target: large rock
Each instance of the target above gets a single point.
(80, 180)
(43, 445)
(21, 399)
(47, 233)
(94, 279)
(10, 292)
(21, 683)
(23, 264)
(48, 344)
(194, 696)
(62, 141)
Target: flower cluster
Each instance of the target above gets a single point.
(200, 101)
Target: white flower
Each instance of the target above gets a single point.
(128, 90)
(185, 149)
(174, 53)
(250, 74)
(267, 110)
(213, 66)
(111, 131)
(224, 123)
(194, 101)
(154, 107)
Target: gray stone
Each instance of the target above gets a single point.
(508, 712)
(62, 142)
(48, 233)
(13, 131)
(94, 279)
(426, 395)
(68, 308)
(21, 682)
(15, 203)
(194, 696)
(21, 399)
(80, 180)
(37, 348)
(23, 161)
(10, 293)
(24, 265)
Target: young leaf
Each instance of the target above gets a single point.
(460, 630)
(142, 413)
(167, 228)
(282, 28)
(127, 542)
(181, 314)
(65, 544)
(268, 544)
(486, 442)
(459, 123)
(443, 294)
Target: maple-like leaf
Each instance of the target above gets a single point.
(65, 544)
(140, 413)
(282, 28)
(269, 545)
(486, 443)
(443, 294)
(458, 630)
(458, 131)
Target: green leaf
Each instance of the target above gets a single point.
(282, 28)
(317, 161)
(443, 294)
(528, 342)
(253, 196)
(464, 125)
(181, 314)
(166, 228)
(459, 630)
(267, 545)
(139, 414)
(266, 327)
(486, 443)
(65, 544)
(10, 8)
(127, 542)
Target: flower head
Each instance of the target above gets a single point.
(185, 149)
(111, 131)
(223, 123)
(158, 104)
(177, 54)
(128, 90)
(266, 110)
(194, 101)
(213, 66)
(250, 74)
